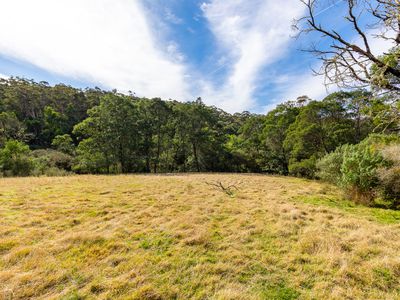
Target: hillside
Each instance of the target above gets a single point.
(180, 237)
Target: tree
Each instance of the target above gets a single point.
(247, 146)
(319, 128)
(64, 143)
(112, 130)
(15, 159)
(153, 122)
(277, 124)
(385, 113)
(55, 123)
(160, 115)
(349, 62)
(11, 128)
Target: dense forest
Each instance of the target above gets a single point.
(106, 132)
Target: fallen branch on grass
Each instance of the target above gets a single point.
(229, 190)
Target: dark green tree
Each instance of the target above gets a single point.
(15, 159)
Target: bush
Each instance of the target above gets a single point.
(55, 172)
(15, 159)
(329, 166)
(369, 172)
(389, 177)
(305, 168)
(48, 161)
(380, 141)
(359, 174)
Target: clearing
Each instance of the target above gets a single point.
(177, 237)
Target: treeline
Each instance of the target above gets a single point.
(55, 130)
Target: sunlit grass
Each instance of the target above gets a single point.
(176, 237)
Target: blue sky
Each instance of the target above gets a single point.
(237, 54)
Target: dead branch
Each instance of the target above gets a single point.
(229, 189)
(347, 63)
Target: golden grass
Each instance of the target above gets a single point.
(175, 237)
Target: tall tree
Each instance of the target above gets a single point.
(112, 128)
(277, 123)
(319, 128)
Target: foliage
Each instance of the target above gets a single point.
(277, 123)
(359, 172)
(10, 128)
(304, 168)
(137, 135)
(368, 171)
(64, 143)
(322, 126)
(89, 159)
(389, 177)
(15, 159)
(248, 148)
(113, 129)
(380, 77)
(385, 113)
(329, 166)
(49, 160)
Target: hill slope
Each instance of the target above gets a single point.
(167, 237)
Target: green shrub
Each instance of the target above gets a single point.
(56, 172)
(304, 168)
(47, 161)
(328, 167)
(359, 172)
(389, 177)
(368, 172)
(15, 159)
(380, 141)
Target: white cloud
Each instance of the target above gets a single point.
(378, 44)
(3, 76)
(171, 17)
(175, 53)
(108, 42)
(303, 84)
(255, 34)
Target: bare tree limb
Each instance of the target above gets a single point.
(348, 63)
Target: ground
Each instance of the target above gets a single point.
(181, 237)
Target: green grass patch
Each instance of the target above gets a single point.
(384, 216)
(279, 291)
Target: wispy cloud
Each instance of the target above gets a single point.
(253, 34)
(171, 17)
(292, 86)
(117, 44)
(107, 42)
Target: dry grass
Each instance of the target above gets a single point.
(175, 237)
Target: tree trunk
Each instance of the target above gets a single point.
(195, 157)
(158, 151)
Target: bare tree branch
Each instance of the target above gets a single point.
(347, 63)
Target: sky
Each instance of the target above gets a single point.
(239, 55)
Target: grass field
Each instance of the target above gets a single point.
(177, 237)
